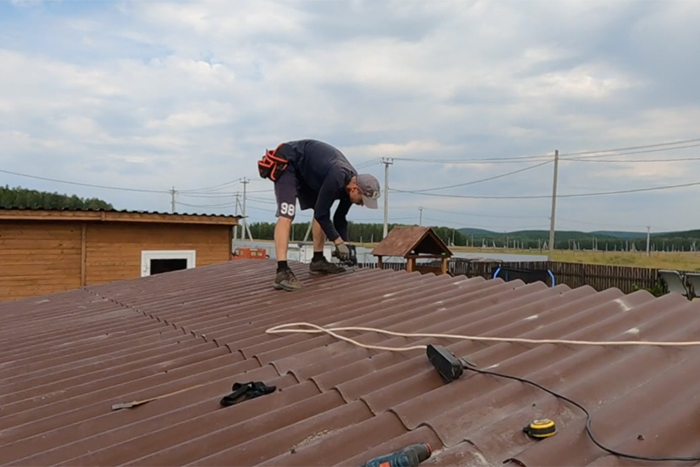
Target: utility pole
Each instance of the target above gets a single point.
(172, 200)
(235, 227)
(246, 227)
(386, 161)
(420, 221)
(245, 220)
(648, 238)
(554, 205)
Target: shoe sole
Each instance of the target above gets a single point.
(288, 289)
(325, 273)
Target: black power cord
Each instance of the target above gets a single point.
(451, 368)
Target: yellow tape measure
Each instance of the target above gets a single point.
(543, 428)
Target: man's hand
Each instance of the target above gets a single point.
(342, 251)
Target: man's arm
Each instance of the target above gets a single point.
(339, 218)
(322, 210)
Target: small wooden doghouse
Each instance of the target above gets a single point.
(414, 243)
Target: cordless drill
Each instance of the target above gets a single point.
(352, 260)
(410, 456)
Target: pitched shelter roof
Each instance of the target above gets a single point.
(66, 358)
(114, 215)
(402, 241)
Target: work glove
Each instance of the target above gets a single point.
(342, 251)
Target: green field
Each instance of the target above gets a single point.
(659, 260)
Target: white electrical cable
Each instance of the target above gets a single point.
(315, 329)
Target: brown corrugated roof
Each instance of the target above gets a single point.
(402, 241)
(114, 215)
(66, 358)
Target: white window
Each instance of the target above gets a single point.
(159, 261)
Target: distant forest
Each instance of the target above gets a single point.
(372, 233)
(33, 199)
(526, 240)
(574, 240)
(358, 233)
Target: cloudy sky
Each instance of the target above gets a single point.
(150, 95)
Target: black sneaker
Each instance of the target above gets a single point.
(286, 280)
(324, 267)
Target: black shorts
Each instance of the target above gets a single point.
(288, 189)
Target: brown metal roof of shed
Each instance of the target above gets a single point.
(114, 215)
(66, 358)
(400, 241)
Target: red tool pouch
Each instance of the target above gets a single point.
(271, 165)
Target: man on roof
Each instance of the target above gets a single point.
(317, 174)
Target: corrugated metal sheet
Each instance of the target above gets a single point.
(400, 241)
(65, 359)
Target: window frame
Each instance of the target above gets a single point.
(148, 255)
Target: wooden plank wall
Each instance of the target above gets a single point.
(38, 258)
(599, 276)
(114, 250)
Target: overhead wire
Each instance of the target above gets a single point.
(548, 157)
(634, 161)
(632, 148)
(471, 214)
(209, 188)
(449, 223)
(548, 196)
(474, 182)
(140, 190)
(223, 205)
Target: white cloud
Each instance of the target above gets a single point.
(155, 94)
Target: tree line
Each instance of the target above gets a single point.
(574, 240)
(357, 232)
(33, 199)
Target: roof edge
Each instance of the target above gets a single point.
(115, 216)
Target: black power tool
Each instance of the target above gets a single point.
(351, 261)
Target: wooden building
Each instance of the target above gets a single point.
(414, 243)
(46, 251)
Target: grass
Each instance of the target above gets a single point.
(685, 261)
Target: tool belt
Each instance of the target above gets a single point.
(272, 165)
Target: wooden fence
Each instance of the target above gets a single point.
(599, 276)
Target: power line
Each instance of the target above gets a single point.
(629, 153)
(222, 194)
(494, 160)
(630, 148)
(542, 157)
(84, 184)
(224, 205)
(635, 161)
(211, 187)
(448, 223)
(470, 214)
(473, 182)
(573, 195)
(369, 163)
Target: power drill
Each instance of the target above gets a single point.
(350, 262)
(410, 456)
